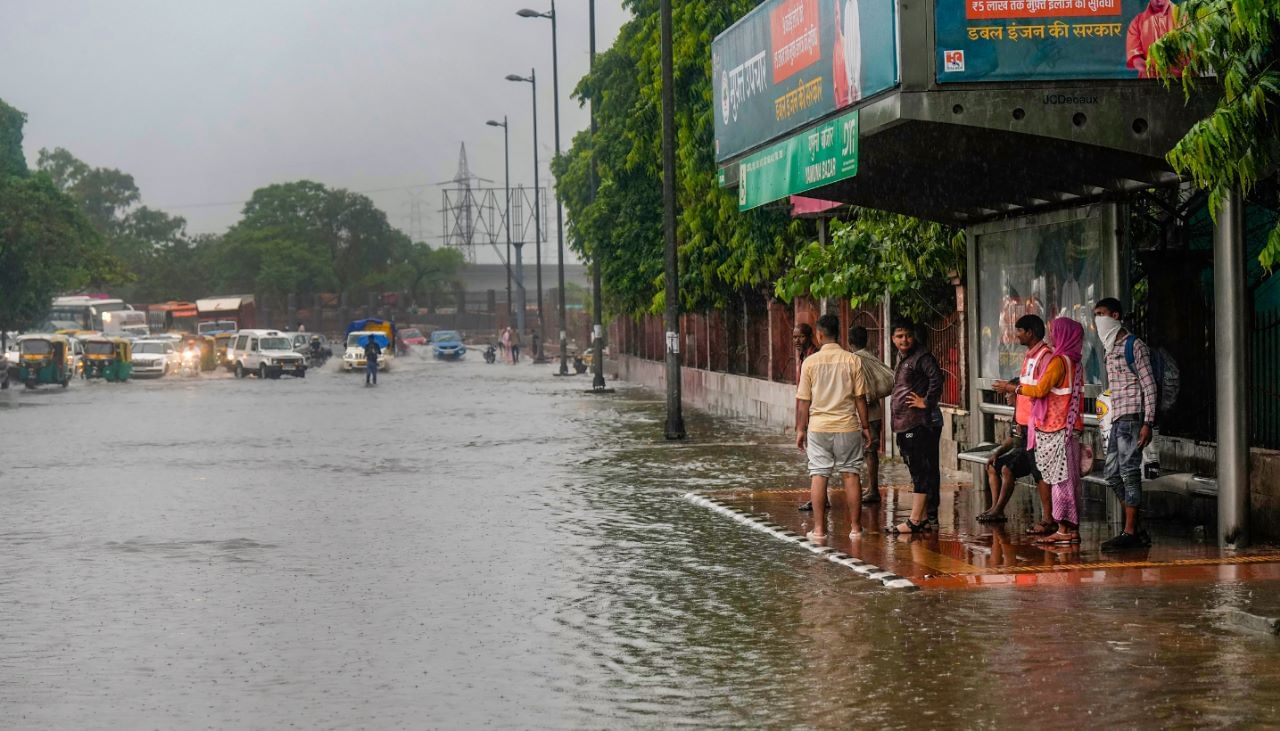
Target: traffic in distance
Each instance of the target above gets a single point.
(87, 337)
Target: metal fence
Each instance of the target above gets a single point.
(754, 339)
(1264, 416)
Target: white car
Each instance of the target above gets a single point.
(268, 353)
(353, 356)
(157, 358)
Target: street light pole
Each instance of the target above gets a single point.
(597, 299)
(675, 415)
(555, 93)
(506, 151)
(532, 79)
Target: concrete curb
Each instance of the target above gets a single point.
(875, 573)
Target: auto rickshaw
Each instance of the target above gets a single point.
(199, 353)
(45, 359)
(110, 359)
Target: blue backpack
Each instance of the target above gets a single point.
(1164, 368)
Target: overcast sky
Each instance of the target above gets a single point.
(203, 102)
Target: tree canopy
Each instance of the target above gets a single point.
(47, 245)
(1236, 42)
(877, 253)
(722, 251)
(293, 238)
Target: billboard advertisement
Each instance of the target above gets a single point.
(790, 62)
(819, 156)
(1052, 40)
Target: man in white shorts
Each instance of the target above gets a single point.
(831, 425)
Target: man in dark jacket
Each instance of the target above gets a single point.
(917, 425)
(372, 351)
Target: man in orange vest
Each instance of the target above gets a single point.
(1011, 461)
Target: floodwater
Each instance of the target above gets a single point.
(485, 545)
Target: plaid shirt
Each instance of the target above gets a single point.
(1131, 393)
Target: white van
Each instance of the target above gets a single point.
(268, 353)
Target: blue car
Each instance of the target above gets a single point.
(447, 345)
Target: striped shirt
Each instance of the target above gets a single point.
(1131, 393)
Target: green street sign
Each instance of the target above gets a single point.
(821, 156)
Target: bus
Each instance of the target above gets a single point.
(172, 316)
(82, 312)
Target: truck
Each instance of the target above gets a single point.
(226, 313)
(125, 323)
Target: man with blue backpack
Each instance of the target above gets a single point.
(1135, 392)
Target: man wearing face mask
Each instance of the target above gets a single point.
(1133, 414)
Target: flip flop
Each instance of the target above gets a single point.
(989, 518)
(1042, 528)
(816, 538)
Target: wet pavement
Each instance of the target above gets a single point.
(485, 545)
(964, 553)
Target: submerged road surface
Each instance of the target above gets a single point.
(469, 544)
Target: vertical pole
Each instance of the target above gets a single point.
(537, 212)
(506, 158)
(675, 415)
(555, 94)
(517, 309)
(521, 305)
(597, 298)
(886, 345)
(1231, 373)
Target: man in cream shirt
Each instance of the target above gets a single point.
(831, 425)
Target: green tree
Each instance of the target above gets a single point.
(1237, 42)
(47, 246)
(13, 163)
(877, 252)
(722, 251)
(132, 232)
(302, 238)
(425, 271)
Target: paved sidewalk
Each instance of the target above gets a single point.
(965, 553)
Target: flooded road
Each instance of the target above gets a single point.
(485, 545)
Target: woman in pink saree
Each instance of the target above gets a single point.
(1057, 423)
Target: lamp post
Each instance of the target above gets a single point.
(597, 299)
(519, 274)
(532, 79)
(675, 413)
(555, 94)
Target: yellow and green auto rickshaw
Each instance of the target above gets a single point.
(45, 359)
(110, 359)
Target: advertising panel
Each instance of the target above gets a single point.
(790, 62)
(817, 157)
(1028, 40)
(1050, 271)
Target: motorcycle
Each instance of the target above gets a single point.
(490, 354)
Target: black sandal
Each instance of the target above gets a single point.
(912, 527)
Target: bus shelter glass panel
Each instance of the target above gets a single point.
(1052, 271)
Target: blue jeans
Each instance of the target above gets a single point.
(371, 372)
(1124, 462)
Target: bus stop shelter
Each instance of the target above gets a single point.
(1025, 124)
